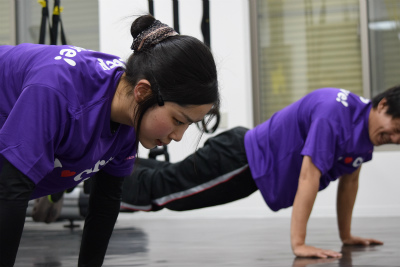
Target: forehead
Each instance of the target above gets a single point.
(387, 119)
(395, 120)
(192, 112)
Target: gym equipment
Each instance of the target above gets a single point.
(73, 208)
(53, 28)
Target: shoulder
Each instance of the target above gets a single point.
(332, 103)
(53, 59)
(325, 96)
(332, 95)
(78, 57)
(66, 56)
(75, 71)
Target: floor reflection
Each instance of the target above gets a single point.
(53, 247)
(230, 242)
(348, 253)
(303, 262)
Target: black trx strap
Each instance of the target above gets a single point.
(55, 20)
(151, 7)
(45, 16)
(53, 27)
(205, 29)
(205, 23)
(176, 15)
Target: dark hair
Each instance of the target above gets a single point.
(179, 68)
(392, 97)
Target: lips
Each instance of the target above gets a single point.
(159, 143)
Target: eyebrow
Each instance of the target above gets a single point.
(188, 118)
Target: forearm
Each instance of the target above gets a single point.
(346, 197)
(304, 201)
(104, 205)
(302, 208)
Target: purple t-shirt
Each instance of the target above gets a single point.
(55, 105)
(330, 125)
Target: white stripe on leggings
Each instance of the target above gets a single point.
(191, 191)
(125, 205)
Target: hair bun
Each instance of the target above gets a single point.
(153, 34)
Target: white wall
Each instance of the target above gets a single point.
(230, 43)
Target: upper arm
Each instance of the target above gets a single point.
(350, 178)
(321, 143)
(33, 130)
(309, 170)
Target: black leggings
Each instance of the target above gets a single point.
(104, 203)
(215, 174)
(15, 192)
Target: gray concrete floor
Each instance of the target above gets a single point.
(210, 242)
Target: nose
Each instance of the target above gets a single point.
(178, 132)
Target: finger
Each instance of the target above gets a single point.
(324, 254)
(332, 254)
(364, 242)
(311, 254)
(357, 242)
(321, 255)
(375, 242)
(367, 242)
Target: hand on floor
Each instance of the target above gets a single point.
(355, 240)
(309, 251)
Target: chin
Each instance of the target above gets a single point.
(147, 145)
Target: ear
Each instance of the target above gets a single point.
(142, 90)
(382, 105)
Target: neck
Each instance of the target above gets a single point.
(122, 105)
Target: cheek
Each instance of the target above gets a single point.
(155, 126)
(161, 129)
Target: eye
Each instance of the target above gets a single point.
(178, 122)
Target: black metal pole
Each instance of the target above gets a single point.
(45, 17)
(151, 7)
(205, 23)
(55, 20)
(176, 15)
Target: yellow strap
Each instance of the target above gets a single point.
(42, 2)
(57, 10)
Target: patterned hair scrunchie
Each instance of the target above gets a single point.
(153, 35)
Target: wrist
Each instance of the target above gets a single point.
(296, 242)
(344, 236)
